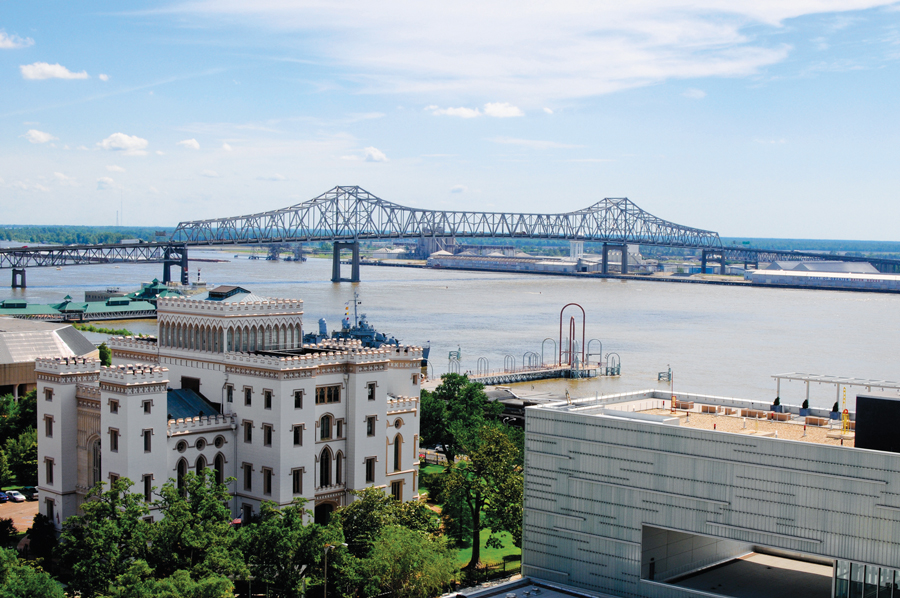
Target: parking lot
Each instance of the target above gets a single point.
(22, 513)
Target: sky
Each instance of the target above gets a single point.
(763, 118)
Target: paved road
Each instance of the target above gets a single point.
(22, 513)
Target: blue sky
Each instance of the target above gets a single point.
(764, 118)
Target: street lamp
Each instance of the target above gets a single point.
(328, 548)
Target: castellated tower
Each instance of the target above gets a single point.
(133, 425)
(66, 393)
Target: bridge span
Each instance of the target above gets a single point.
(346, 215)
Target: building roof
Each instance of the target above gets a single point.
(26, 340)
(232, 294)
(183, 402)
(854, 267)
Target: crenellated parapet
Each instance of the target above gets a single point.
(134, 379)
(201, 423)
(396, 404)
(67, 370)
(221, 308)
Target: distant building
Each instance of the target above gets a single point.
(626, 498)
(825, 280)
(825, 266)
(21, 342)
(228, 385)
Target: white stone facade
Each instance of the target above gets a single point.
(293, 421)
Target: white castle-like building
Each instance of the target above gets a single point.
(228, 384)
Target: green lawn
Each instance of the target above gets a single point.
(488, 555)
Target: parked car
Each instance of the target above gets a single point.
(15, 496)
(30, 492)
(3, 496)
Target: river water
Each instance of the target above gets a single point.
(719, 340)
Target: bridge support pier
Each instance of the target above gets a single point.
(354, 262)
(18, 278)
(707, 255)
(623, 251)
(175, 255)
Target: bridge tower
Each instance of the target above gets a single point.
(175, 255)
(18, 278)
(354, 262)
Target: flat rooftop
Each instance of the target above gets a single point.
(762, 576)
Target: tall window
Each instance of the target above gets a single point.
(148, 405)
(267, 434)
(298, 435)
(370, 425)
(148, 436)
(48, 426)
(267, 399)
(328, 394)
(267, 480)
(96, 464)
(297, 481)
(248, 396)
(220, 468)
(339, 468)
(229, 394)
(248, 431)
(180, 473)
(298, 399)
(325, 468)
(148, 487)
(398, 449)
(48, 394)
(397, 490)
(370, 390)
(325, 427)
(339, 428)
(114, 440)
(113, 406)
(370, 469)
(48, 471)
(48, 504)
(200, 465)
(248, 476)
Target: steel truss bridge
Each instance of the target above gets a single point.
(347, 215)
(19, 258)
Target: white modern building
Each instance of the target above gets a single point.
(626, 497)
(228, 384)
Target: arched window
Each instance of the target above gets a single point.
(96, 468)
(277, 339)
(181, 472)
(325, 427)
(245, 339)
(325, 468)
(398, 448)
(253, 339)
(220, 468)
(200, 465)
(339, 468)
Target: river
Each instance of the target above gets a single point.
(720, 340)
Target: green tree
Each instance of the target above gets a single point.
(7, 532)
(411, 564)
(279, 545)
(16, 416)
(489, 483)
(42, 537)
(453, 412)
(21, 453)
(5, 471)
(195, 533)
(138, 582)
(18, 579)
(102, 543)
(105, 355)
(363, 519)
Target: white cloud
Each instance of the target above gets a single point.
(502, 110)
(274, 178)
(460, 112)
(459, 189)
(210, 174)
(67, 181)
(35, 136)
(29, 186)
(44, 70)
(114, 168)
(103, 77)
(495, 109)
(129, 145)
(548, 110)
(160, 153)
(226, 147)
(694, 94)
(373, 154)
(190, 143)
(105, 183)
(539, 51)
(11, 42)
(533, 143)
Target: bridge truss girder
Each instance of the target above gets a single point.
(352, 214)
